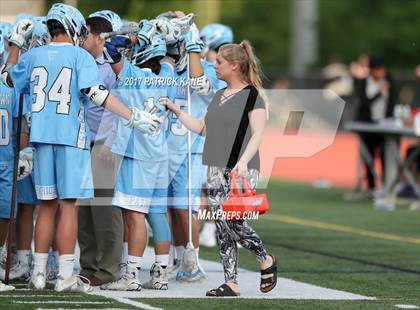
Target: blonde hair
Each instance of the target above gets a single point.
(249, 65)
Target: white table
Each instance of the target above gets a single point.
(393, 164)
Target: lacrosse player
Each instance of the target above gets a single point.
(26, 195)
(8, 111)
(57, 76)
(141, 184)
(202, 79)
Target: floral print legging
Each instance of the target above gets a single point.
(229, 233)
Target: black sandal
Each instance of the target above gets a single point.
(222, 291)
(272, 281)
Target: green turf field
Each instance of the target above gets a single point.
(318, 238)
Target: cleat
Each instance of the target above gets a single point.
(159, 278)
(127, 282)
(37, 281)
(72, 284)
(5, 287)
(18, 270)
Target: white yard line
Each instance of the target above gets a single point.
(81, 309)
(62, 302)
(407, 306)
(135, 303)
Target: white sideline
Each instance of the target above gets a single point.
(248, 281)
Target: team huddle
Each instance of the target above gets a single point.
(102, 82)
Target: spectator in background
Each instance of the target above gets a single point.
(376, 95)
(416, 102)
(360, 69)
(404, 189)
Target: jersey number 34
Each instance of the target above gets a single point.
(59, 91)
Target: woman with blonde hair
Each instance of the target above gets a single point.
(234, 127)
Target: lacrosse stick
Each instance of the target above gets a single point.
(123, 31)
(13, 206)
(190, 263)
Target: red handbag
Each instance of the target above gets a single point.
(245, 205)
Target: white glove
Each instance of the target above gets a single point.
(170, 33)
(143, 121)
(172, 29)
(26, 163)
(21, 33)
(193, 42)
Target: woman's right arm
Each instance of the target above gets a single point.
(192, 123)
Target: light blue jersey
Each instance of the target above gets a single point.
(176, 132)
(139, 88)
(54, 75)
(9, 107)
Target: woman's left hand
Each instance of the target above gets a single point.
(240, 170)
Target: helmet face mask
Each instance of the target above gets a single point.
(179, 54)
(141, 54)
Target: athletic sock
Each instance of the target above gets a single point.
(134, 261)
(40, 263)
(65, 265)
(23, 256)
(162, 260)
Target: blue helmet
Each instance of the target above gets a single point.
(40, 34)
(215, 35)
(5, 29)
(72, 20)
(110, 16)
(141, 54)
